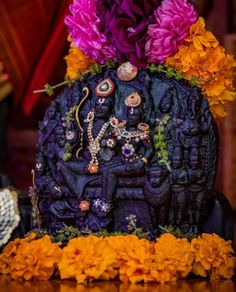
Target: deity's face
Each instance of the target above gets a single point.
(176, 162)
(103, 107)
(134, 116)
(191, 127)
(194, 163)
(156, 178)
(166, 103)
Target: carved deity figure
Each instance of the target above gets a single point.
(179, 182)
(157, 192)
(133, 145)
(78, 172)
(198, 194)
(193, 125)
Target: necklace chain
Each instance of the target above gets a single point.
(94, 143)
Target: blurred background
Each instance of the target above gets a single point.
(33, 43)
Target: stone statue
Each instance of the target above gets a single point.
(98, 161)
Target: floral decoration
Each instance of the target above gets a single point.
(88, 258)
(173, 259)
(172, 22)
(201, 56)
(134, 256)
(125, 257)
(77, 62)
(10, 251)
(161, 149)
(36, 259)
(213, 257)
(125, 24)
(153, 33)
(85, 30)
(84, 206)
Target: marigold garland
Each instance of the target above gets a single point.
(77, 62)
(213, 257)
(36, 259)
(10, 251)
(126, 257)
(202, 57)
(173, 258)
(88, 258)
(191, 50)
(134, 256)
(30, 258)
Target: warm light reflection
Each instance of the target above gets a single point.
(7, 285)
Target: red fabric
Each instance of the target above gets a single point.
(32, 43)
(46, 64)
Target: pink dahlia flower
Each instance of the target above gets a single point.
(173, 20)
(84, 29)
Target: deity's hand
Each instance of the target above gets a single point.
(136, 166)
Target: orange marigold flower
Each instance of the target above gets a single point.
(134, 256)
(213, 257)
(36, 259)
(10, 251)
(202, 57)
(88, 258)
(172, 258)
(77, 62)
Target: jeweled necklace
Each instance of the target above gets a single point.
(141, 133)
(94, 143)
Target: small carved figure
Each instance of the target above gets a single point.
(166, 102)
(193, 125)
(157, 192)
(198, 194)
(179, 182)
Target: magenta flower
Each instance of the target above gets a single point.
(125, 24)
(85, 30)
(173, 20)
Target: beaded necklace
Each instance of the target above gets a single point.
(94, 143)
(142, 133)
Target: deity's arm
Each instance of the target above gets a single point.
(184, 179)
(149, 150)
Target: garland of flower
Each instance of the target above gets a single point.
(127, 258)
(170, 34)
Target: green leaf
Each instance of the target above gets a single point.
(49, 89)
(152, 68)
(170, 72)
(160, 68)
(194, 81)
(178, 75)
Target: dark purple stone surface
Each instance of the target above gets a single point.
(180, 193)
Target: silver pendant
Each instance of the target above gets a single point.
(106, 154)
